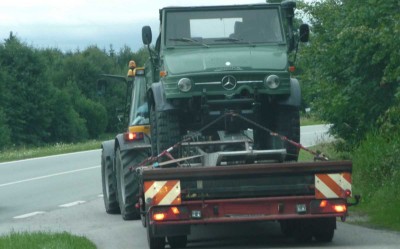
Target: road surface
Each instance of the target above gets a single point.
(63, 193)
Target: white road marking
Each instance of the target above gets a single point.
(48, 176)
(38, 158)
(100, 196)
(71, 204)
(28, 215)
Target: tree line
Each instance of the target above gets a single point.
(49, 96)
(351, 67)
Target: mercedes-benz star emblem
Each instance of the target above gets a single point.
(228, 82)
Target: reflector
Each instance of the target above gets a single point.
(175, 210)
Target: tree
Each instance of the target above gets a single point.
(352, 63)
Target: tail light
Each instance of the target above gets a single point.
(170, 213)
(133, 136)
(328, 206)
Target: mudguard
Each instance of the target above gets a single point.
(120, 142)
(158, 96)
(295, 94)
(108, 149)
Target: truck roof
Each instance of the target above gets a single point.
(214, 7)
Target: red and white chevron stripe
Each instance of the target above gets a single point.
(163, 192)
(332, 185)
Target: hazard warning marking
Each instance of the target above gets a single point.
(332, 185)
(163, 192)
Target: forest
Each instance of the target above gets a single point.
(349, 71)
(47, 96)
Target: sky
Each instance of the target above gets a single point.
(76, 24)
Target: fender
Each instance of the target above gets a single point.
(156, 94)
(120, 142)
(295, 94)
(108, 149)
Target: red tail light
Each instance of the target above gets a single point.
(133, 136)
(328, 206)
(170, 213)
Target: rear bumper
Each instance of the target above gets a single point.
(249, 210)
(237, 211)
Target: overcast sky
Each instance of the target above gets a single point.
(72, 24)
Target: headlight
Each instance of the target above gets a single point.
(185, 84)
(272, 81)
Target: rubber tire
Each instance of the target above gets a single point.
(287, 227)
(109, 183)
(165, 131)
(288, 125)
(154, 242)
(303, 231)
(177, 241)
(324, 229)
(153, 131)
(127, 182)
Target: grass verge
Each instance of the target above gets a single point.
(40, 240)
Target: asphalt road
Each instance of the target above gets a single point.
(63, 193)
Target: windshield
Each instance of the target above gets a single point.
(139, 111)
(209, 27)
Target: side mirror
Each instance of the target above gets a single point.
(146, 35)
(101, 87)
(304, 32)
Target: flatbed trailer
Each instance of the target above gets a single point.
(306, 198)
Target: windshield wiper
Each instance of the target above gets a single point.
(229, 39)
(185, 39)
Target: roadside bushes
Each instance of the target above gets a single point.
(376, 172)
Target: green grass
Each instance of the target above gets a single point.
(328, 149)
(43, 240)
(309, 120)
(376, 172)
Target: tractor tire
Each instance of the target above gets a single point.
(153, 130)
(288, 125)
(109, 183)
(127, 182)
(154, 242)
(165, 131)
(177, 241)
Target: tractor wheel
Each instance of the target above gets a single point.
(109, 183)
(288, 125)
(324, 229)
(165, 131)
(177, 241)
(154, 242)
(153, 130)
(127, 182)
